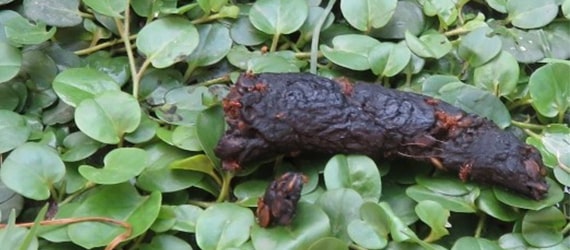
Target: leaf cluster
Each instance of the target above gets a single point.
(110, 110)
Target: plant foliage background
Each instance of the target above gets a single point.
(109, 111)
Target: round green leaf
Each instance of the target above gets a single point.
(479, 46)
(309, 224)
(248, 192)
(166, 242)
(460, 204)
(329, 243)
(408, 16)
(549, 87)
(167, 40)
(435, 216)
(366, 235)
(78, 147)
(119, 202)
(117, 67)
(525, 46)
(112, 8)
(498, 5)
(389, 59)
(210, 127)
(315, 14)
(555, 195)
(278, 16)
(223, 226)
(243, 32)
(404, 206)
(566, 9)
(10, 62)
(12, 95)
(431, 44)
(121, 164)
(357, 172)
(181, 106)
(499, 76)
(530, 14)
(444, 9)
(100, 119)
(512, 241)
(157, 176)
(180, 218)
(398, 230)
(488, 203)
(561, 171)
(444, 185)
(215, 43)
(144, 132)
(77, 84)
(345, 54)
(542, 228)
(475, 244)
(211, 5)
(32, 169)
(367, 14)
(59, 13)
(186, 137)
(342, 206)
(199, 162)
(20, 31)
(9, 200)
(14, 130)
(271, 63)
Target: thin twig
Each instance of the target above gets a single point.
(116, 241)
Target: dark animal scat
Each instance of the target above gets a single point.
(279, 203)
(273, 114)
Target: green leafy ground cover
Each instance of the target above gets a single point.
(109, 111)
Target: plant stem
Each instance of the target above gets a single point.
(302, 55)
(566, 229)
(138, 76)
(356, 247)
(189, 70)
(480, 225)
(216, 178)
(221, 79)
(531, 134)
(67, 221)
(124, 30)
(456, 32)
(518, 103)
(206, 19)
(202, 204)
(316, 35)
(72, 196)
(274, 42)
(225, 192)
(528, 125)
(101, 46)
